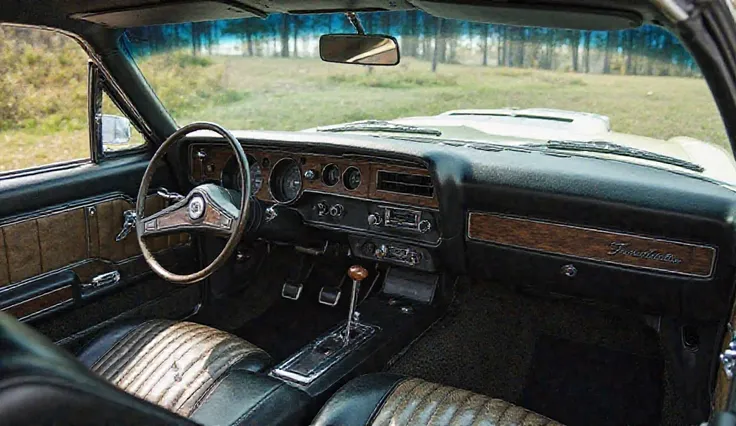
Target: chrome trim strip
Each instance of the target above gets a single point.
(714, 250)
(46, 309)
(399, 205)
(282, 370)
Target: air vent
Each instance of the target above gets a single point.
(405, 183)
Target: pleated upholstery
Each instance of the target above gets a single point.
(415, 402)
(171, 364)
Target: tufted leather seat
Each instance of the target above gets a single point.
(170, 364)
(388, 399)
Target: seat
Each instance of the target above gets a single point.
(170, 364)
(184, 373)
(389, 399)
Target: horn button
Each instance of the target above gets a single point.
(196, 207)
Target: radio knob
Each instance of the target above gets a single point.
(381, 251)
(337, 210)
(374, 219)
(424, 226)
(413, 258)
(322, 208)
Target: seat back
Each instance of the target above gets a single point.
(42, 384)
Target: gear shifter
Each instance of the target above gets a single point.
(357, 273)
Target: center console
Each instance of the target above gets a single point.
(365, 341)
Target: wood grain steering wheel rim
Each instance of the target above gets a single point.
(224, 218)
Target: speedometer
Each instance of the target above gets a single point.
(231, 175)
(285, 181)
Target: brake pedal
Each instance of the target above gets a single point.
(329, 295)
(291, 291)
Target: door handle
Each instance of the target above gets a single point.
(102, 280)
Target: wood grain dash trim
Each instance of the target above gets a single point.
(41, 303)
(593, 244)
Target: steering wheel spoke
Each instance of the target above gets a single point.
(208, 208)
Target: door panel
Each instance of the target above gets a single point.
(51, 258)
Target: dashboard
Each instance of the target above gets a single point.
(390, 209)
(609, 232)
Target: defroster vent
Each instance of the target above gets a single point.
(405, 183)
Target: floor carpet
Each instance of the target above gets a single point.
(579, 384)
(495, 341)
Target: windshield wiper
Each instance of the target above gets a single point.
(380, 126)
(616, 149)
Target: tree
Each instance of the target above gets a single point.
(285, 35)
(438, 40)
(484, 44)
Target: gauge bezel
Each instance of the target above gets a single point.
(275, 173)
(344, 180)
(251, 161)
(339, 175)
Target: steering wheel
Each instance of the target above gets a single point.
(208, 208)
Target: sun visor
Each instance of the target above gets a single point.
(169, 13)
(572, 17)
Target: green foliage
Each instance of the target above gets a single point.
(396, 80)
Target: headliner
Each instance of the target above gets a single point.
(607, 14)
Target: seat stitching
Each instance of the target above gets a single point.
(202, 371)
(141, 335)
(235, 359)
(503, 413)
(470, 395)
(420, 402)
(123, 337)
(477, 411)
(193, 334)
(122, 349)
(439, 403)
(402, 398)
(135, 336)
(156, 351)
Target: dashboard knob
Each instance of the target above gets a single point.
(413, 258)
(374, 219)
(424, 226)
(381, 251)
(337, 210)
(322, 209)
(310, 175)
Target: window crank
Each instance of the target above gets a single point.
(129, 218)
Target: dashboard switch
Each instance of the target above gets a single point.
(374, 219)
(310, 175)
(322, 209)
(337, 210)
(381, 251)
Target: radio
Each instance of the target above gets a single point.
(402, 254)
(392, 217)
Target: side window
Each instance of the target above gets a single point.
(43, 98)
(118, 134)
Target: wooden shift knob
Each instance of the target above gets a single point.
(357, 273)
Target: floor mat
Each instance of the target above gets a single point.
(579, 384)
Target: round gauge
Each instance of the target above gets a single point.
(230, 177)
(351, 178)
(285, 181)
(331, 175)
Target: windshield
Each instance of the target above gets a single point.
(638, 88)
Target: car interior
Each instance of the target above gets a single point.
(217, 276)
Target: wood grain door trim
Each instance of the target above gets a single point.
(41, 303)
(641, 252)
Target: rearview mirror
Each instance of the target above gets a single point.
(359, 49)
(115, 130)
